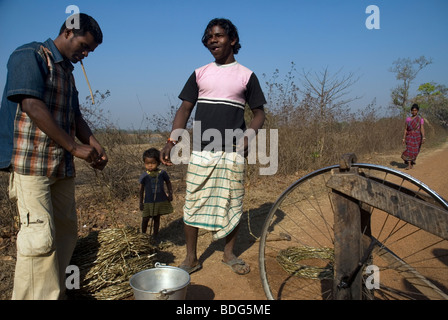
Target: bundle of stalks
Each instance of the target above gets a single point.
(108, 258)
(292, 258)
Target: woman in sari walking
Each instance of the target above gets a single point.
(414, 136)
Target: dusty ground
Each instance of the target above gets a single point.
(216, 281)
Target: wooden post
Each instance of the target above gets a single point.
(347, 246)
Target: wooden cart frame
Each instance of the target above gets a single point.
(353, 195)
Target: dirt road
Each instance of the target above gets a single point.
(216, 281)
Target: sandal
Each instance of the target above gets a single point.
(238, 266)
(192, 269)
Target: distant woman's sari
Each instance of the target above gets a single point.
(413, 139)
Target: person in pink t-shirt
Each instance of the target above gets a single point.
(215, 176)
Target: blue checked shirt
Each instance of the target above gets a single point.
(38, 70)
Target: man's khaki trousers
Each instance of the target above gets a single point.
(47, 235)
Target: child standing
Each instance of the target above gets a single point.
(154, 201)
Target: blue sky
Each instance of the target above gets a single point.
(151, 47)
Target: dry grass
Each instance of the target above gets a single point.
(108, 258)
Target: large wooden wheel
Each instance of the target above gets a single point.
(356, 231)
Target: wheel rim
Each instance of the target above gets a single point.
(303, 214)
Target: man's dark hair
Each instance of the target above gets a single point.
(230, 29)
(86, 24)
(152, 153)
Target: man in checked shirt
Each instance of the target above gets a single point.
(39, 121)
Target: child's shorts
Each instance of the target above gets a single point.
(157, 209)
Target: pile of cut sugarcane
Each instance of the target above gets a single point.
(108, 258)
(293, 260)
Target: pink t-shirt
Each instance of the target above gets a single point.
(221, 93)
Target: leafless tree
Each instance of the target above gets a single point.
(330, 93)
(406, 70)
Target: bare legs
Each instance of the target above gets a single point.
(156, 222)
(191, 237)
(410, 164)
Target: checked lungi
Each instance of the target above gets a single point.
(215, 191)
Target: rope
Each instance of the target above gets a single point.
(289, 259)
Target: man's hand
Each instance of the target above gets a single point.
(179, 122)
(100, 162)
(85, 135)
(165, 156)
(97, 159)
(85, 152)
